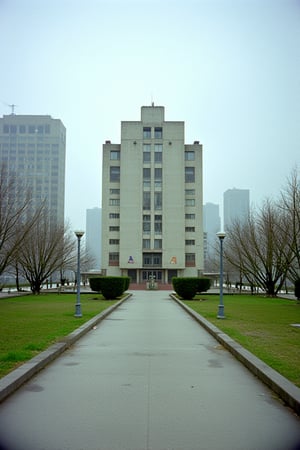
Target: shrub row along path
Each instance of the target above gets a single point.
(148, 377)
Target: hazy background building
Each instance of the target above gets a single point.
(211, 226)
(152, 201)
(236, 204)
(33, 149)
(93, 236)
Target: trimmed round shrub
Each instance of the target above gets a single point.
(297, 288)
(185, 287)
(95, 283)
(203, 284)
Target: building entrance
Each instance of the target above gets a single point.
(156, 275)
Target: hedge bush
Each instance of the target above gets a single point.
(203, 284)
(187, 287)
(110, 287)
(95, 283)
(297, 288)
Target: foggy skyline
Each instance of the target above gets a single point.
(229, 69)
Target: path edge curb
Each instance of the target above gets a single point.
(285, 389)
(16, 378)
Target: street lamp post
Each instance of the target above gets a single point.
(221, 236)
(78, 313)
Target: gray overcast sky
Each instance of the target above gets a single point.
(229, 68)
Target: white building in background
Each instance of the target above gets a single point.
(93, 236)
(211, 226)
(152, 201)
(236, 204)
(33, 149)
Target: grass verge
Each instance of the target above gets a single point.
(261, 325)
(31, 323)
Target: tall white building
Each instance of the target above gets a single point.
(152, 201)
(236, 203)
(33, 149)
(93, 236)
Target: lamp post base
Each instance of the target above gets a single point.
(78, 311)
(221, 312)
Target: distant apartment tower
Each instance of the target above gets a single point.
(236, 203)
(211, 226)
(152, 201)
(33, 150)
(93, 236)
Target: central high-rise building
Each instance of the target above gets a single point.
(152, 201)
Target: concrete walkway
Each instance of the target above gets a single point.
(148, 377)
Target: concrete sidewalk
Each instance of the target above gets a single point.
(148, 377)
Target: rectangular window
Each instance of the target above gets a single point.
(114, 175)
(31, 129)
(114, 202)
(114, 155)
(114, 228)
(147, 132)
(190, 260)
(6, 129)
(147, 200)
(157, 243)
(146, 173)
(146, 223)
(158, 148)
(190, 216)
(146, 157)
(189, 242)
(190, 229)
(158, 224)
(40, 129)
(114, 241)
(189, 156)
(189, 174)
(114, 215)
(157, 200)
(147, 184)
(190, 192)
(113, 259)
(22, 129)
(158, 133)
(146, 147)
(114, 191)
(152, 259)
(189, 202)
(158, 157)
(158, 173)
(146, 243)
(47, 129)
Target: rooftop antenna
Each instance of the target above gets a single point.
(152, 102)
(12, 108)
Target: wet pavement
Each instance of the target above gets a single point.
(148, 377)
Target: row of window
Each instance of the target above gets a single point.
(147, 242)
(152, 259)
(23, 129)
(149, 132)
(114, 174)
(117, 216)
(188, 155)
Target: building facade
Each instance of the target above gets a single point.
(33, 148)
(211, 226)
(152, 201)
(93, 236)
(236, 203)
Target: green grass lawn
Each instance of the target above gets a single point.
(261, 325)
(31, 323)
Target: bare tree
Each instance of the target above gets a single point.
(289, 205)
(260, 248)
(46, 249)
(16, 216)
